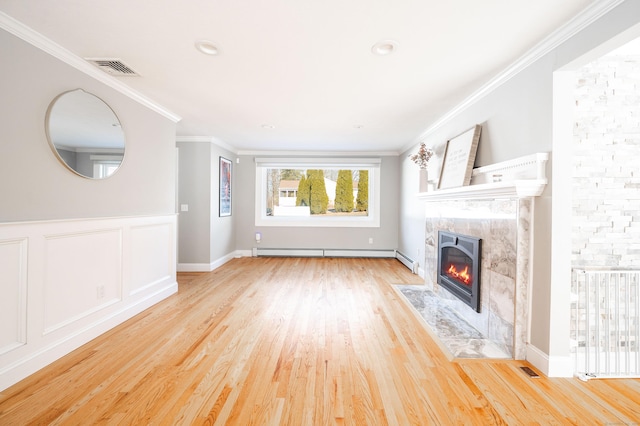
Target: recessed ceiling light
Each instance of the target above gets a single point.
(358, 126)
(207, 47)
(268, 126)
(384, 47)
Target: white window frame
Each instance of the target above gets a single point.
(105, 165)
(372, 220)
(103, 169)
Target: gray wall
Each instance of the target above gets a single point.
(204, 236)
(35, 186)
(384, 237)
(194, 190)
(517, 120)
(223, 229)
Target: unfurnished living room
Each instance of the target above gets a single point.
(356, 213)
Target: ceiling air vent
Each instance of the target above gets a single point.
(114, 67)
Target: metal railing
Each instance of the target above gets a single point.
(606, 329)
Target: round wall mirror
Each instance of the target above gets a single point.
(85, 134)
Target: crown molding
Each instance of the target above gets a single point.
(338, 154)
(39, 41)
(585, 18)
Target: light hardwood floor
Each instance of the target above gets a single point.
(285, 341)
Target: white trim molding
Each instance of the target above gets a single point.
(36, 39)
(550, 366)
(208, 267)
(589, 15)
(304, 154)
(206, 139)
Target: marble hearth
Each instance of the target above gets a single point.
(457, 336)
(500, 213)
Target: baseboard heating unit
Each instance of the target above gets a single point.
(606, 327)
(406, 261)
(287, 252)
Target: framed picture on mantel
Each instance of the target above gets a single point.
(459, 156)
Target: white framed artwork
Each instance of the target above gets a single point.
(459, 156)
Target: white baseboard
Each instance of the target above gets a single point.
(194, 267)
(208, 267)
(550, 366)
(218, 263)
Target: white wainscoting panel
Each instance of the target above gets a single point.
(151, 256)
(13, 294)
(66, 282)
(90, 266)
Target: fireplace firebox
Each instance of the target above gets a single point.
(459, 266)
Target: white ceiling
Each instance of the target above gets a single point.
(304, 67)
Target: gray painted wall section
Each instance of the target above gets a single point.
(35, 186)
(223, 229)
(203, 236)
(194, 191)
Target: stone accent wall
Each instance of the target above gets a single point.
(606, 210)
(606, 167)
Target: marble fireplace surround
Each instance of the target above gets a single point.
(498, 208)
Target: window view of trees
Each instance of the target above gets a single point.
(344, 192)
(362, 200)
(326, 192)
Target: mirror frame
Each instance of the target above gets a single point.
(55, 148)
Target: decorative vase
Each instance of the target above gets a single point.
(424, 180)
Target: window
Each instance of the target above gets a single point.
(103, 169)
(317, 192)
(104, 165)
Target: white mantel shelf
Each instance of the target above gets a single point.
(522, 177)
(515, 189)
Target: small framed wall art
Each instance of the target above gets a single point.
(459, 156)
(225, 187)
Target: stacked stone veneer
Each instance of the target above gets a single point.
(504, 227)
(606, 166)
(606, 202)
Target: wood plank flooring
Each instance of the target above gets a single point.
(287, 341)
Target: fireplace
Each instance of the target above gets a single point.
(459, 266)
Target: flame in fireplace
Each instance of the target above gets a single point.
(463, 275)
